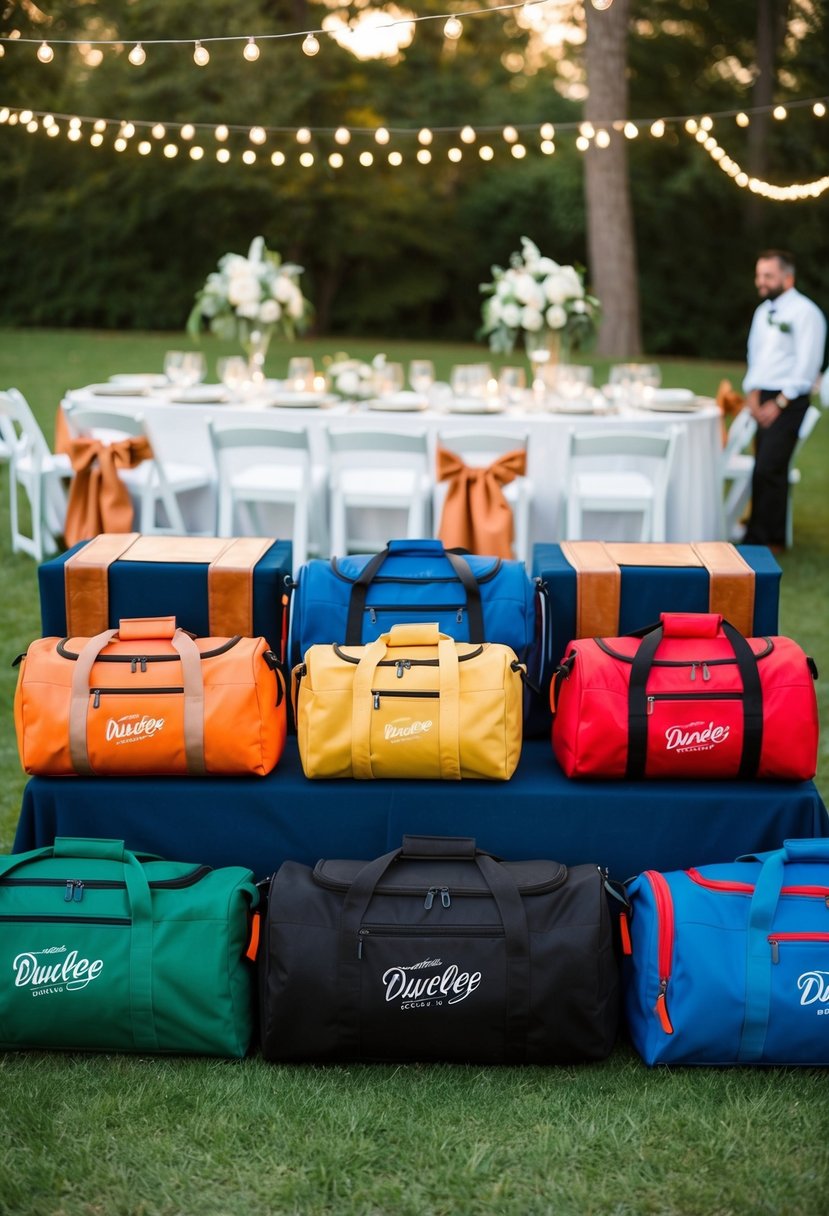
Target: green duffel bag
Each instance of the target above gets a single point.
(103, 949)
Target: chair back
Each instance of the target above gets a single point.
(103, 424)
(654, 445)
(741, 432)
(350, 449)
(33, 467)
(810, 420)
(481, 447)
(20, 430)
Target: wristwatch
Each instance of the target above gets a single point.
(780, 401)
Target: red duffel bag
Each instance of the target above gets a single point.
(689, 697)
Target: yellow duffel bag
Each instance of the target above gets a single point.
(414, 703)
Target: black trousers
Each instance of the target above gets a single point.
(773, 448)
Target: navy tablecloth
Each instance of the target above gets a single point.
(261, 822)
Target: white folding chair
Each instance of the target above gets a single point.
(596, 482)
(37, 470)
(479, 449)
(810, 421)
(257, 465)
(377, 471)
(737, 467)
(153, 483)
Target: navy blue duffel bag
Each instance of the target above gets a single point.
(352, 600)
(730, 963)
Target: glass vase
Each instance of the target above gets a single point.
(543, 347)
(255, 339)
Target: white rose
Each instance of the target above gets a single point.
(348, 382)
(557, 288)
(249, 311)
(530, 252)
(283, 289)
(244, 289)
(511, 315)
(556, 317)
(296, 304)
(574, 283)
(494, 311)
(531, 319)
(270, 312)
(579, 306)
(546, 266)
(524, 288)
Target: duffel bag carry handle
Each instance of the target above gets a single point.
(362, 707)
(507, 898)
(417, 633)
(146, 628)
(759, 963)
(430, 548)
(192, 683)
(638, 692)
(691, 624)
(444, 847)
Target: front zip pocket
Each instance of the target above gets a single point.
(97, 693)
(400, 611)
(691, 696)
(776, 940)
(406, 694)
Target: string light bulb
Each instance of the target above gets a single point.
(251, 51)
(310, 45)
(819, 109)
(602, 138)
(249, 156)
(306, 159)
(187, 131)
(342, 135)
(99, 125)
(548, 147)
(485, 152)
(303, 136)
(742, 120)
(127, 130)
(453, 29)
(145, 147)
(381, 136)
(277, 158)
(779, 112)
(547, 131)
(74, 133)
(27, 116)
(424, 136)
(601, 5)
(335, 160)
(55, 130)
(395, 159)
(510, 135)
(170, 150)
(658, 128)
(582, 143)
(221, 133)
(257, 135)
(518, 151)
(707, 122)
(455, 155)
(95, 139)
(631, 130)
(137, 55)
(201, 55)
(45, 53)
(222, 155)
(366, 159)
(120, 144)
(468, 135)
(691, 126)
(424, 156)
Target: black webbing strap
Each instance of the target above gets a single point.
(359, 593)
(516, 942)
(638, 702)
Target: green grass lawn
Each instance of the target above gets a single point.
(124, 1136)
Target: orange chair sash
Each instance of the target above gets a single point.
(476, 515)
(98, 499)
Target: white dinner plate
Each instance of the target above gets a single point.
(683, 405)
(404, 402)
(117, 390)
(474, 405)
(140, 380)
(569, 405)
(296, 400)
(199, 394)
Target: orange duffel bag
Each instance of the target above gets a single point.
(148, 699)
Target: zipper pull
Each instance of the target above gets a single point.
(430, 898)
(661, 1008)
(693, 672)
(78, 895)
(69, 890)
(377, 700)
(706, 674)
(372, 616)
(650, 705)
(133, 664)
(362, 933)
(459, 617)
(96, 703)
(401, 663)
(444, 897)
(775, 950)
(143, 664)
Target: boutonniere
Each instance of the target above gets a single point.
(783, 326)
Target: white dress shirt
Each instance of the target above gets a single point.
(785, 345)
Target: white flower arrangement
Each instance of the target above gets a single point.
(535, 292)
(351, 378)
(245, 293)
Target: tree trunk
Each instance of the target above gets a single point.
(770, 29)
(611, 242)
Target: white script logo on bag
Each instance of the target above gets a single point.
(43, 978)
(695, 737)
(420, 992)
(403, 729)
(813, 987)
(132, 728)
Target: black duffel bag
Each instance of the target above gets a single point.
(438, 951)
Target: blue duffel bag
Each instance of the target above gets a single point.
(352, 600)
(729, 964)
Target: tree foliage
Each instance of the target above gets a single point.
(95, 237)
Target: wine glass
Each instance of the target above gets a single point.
(234, 373)
(512, 381)
(388, 379)
(301, 374)
(421, 375)
(184, 368)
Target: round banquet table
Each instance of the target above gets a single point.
(178, 432)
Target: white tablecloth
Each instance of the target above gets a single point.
(178, 432)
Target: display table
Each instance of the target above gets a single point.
(261, 822)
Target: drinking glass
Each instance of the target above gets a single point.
(470, 379)
(388, 379)
(234, 373)
(573, 380)
(421, 375)
(512, 381)
(300, 374)
(184, 368)
(542, 347)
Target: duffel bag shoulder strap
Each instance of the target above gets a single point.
(758, 952)
(426, 548)
(516, 941)
(707, 625)
(192, 682)
(448, 705)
